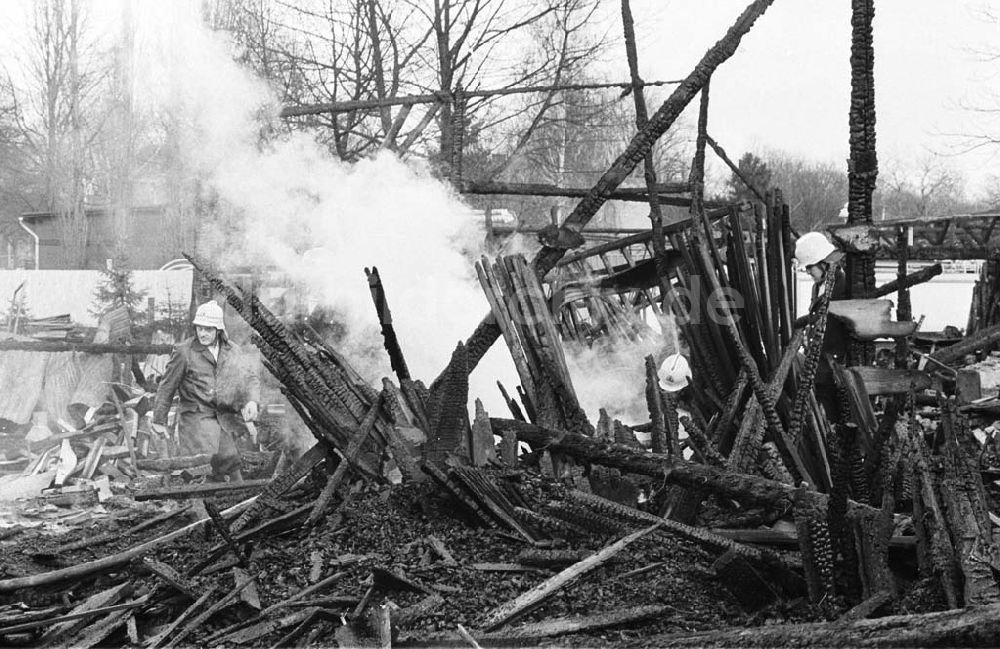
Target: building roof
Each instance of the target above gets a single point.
(92, 211)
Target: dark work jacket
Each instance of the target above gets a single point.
(211, 392)
(838, 336)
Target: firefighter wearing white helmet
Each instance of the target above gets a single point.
(812, 248)
(674, 373)
(219, 389)
(815, 253)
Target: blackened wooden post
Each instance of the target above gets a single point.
(904, 310)
(862, 168)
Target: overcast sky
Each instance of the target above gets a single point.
(788, 85)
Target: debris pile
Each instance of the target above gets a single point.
(741, 511)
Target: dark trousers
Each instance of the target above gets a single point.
(226, 461)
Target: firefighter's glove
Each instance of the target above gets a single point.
(249, 411)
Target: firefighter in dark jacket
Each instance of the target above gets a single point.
(814, 252)
(219, 389)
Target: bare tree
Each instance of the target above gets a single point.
(921, 188)
(816, 192)
(985, 109)
(352, 50)
(51, 101)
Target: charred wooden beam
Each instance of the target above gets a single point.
(444, 97)
(664, 192)
(391, 341)
(719, 151)
(919, 277)
(198, 491)
(749, 489)
(970, 345)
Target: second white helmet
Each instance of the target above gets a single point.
(674, 373)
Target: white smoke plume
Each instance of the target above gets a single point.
(613, 378)
(322, 221)
(317, 219)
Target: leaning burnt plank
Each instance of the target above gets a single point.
(282, 483)
(103, 565)
(346, 459)
(968, 627)
(532, 598)
(185, 492)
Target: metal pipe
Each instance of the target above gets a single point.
(34, 236)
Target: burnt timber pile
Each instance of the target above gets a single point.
(750, 519)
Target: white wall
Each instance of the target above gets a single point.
(944, 300)
(55, 292)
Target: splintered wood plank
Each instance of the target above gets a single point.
(519, 605)
(882, 380)
(199, 491)
(575, 624)
(96, 601)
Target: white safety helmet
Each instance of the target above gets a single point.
(209, 314)
(674, 373)
(812, 248)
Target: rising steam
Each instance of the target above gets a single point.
(321, 221)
